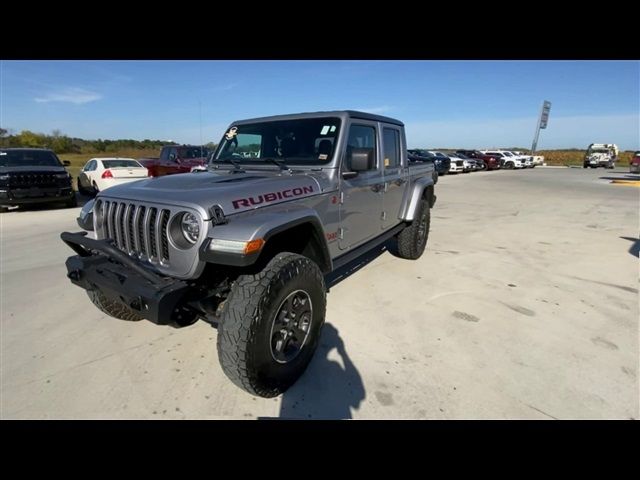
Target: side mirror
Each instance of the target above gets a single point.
(66, 163)
(362, 160)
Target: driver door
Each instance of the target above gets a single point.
(361, 196)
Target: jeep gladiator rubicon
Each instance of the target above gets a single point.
(246, 244)
(176, 159)
(34, 175)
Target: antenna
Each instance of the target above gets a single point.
(201, 145)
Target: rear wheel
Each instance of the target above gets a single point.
(412, 240)
(96, 190)
(81, 189)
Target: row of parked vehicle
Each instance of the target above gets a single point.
(465, 161)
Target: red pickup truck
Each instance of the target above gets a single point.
(491, 162)
(176, 159)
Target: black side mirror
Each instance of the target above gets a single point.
(66, 163)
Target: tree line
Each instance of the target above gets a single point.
(60, 143)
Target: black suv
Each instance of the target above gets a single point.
(33, 175)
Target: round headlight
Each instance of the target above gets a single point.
(190, 227)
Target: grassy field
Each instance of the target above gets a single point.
(551, 157)
(575, 157)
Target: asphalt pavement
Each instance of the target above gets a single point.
(524, 306)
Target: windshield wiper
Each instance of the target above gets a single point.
(237, 166)
(279, 163)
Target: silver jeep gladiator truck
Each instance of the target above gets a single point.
(246, 243)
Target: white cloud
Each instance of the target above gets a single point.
(78, 96)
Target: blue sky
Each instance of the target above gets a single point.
(443, 103)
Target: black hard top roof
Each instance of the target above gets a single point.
(343, 114)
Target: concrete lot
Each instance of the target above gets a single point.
(524, 306)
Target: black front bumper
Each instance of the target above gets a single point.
(102, 267)
(25, 196)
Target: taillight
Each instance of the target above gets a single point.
(107, 174)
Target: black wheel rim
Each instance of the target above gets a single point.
(291, 326)
(422, 228)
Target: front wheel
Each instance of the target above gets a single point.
(412, 240)
(271, 324)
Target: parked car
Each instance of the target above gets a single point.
(507, 159)
(476, 163)
(527, 160)
(467, 165)
(441, 164)
(101, 173)
(491, 162)
(34, 175)
(601, 155)
(176, 159)
(634, 164)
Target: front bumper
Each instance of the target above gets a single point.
(101, 266)
(24, 196)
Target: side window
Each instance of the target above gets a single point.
(391, 141)
(362, 139)
(173, 154)
(91, 166)
(164, 154)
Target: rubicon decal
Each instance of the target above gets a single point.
(272, 197)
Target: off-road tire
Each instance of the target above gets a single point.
(111, 308)
(411, 242)
(244, 332)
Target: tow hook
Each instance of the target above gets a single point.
(74, 275)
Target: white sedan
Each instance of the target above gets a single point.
(101, 173)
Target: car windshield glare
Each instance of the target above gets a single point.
(304, 141)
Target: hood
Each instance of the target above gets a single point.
(234, 192)
(26, 169)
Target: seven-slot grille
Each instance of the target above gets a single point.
(136, 229)
(32, 180)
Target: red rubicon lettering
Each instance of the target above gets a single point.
(243, 202)
(271, 197)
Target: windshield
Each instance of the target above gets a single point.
(508, 154)
(193, 152)
(28, 158)
(121, 163)
(304, 141)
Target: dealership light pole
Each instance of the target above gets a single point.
(542, 123)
